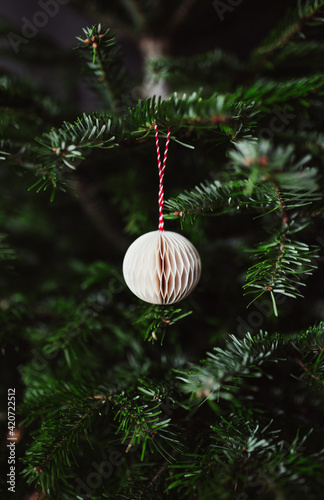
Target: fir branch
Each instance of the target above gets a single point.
(282, 264)
(217, 198)
(289, 27)
(282, 246)
(104, 64)
(283, 208)
(136, 14)
(69, 413)
(273, 180)
(4, 153)
(153, 320)
(244, 451)
(20, 95)
(186, 111)
(214, 68)
(308, 371)
(87, 131)
(70, 326)
(12, 153)
(311, 340)
(298, 58)
(221, 373)
(143, 483)
(269, 93)
(309, 354)
(161, 471)
(67, 438)
(48, 457)
(311, 141)
(68, 146)
(143, 423)
(234, 445)
(294, 182)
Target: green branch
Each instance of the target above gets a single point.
(134, 10)
(289, 27)
(222, 373)
(241, 452)
(218, 198)
(106, 71)
(143, 423)
(39, 469)
(282, 264)
(68, 414)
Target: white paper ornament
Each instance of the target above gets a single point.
(161, 267)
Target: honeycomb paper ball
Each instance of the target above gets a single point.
(161, 267)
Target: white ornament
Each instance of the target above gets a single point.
(161, 267)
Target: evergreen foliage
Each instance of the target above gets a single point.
(116, 398)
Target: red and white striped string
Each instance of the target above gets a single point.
(161, 172)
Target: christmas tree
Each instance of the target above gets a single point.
(220, 395)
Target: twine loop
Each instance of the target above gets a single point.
(161, 172)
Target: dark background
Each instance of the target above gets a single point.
(199, 31)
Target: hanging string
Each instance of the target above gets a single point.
(161, 172)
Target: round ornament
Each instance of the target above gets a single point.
(161, 267)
